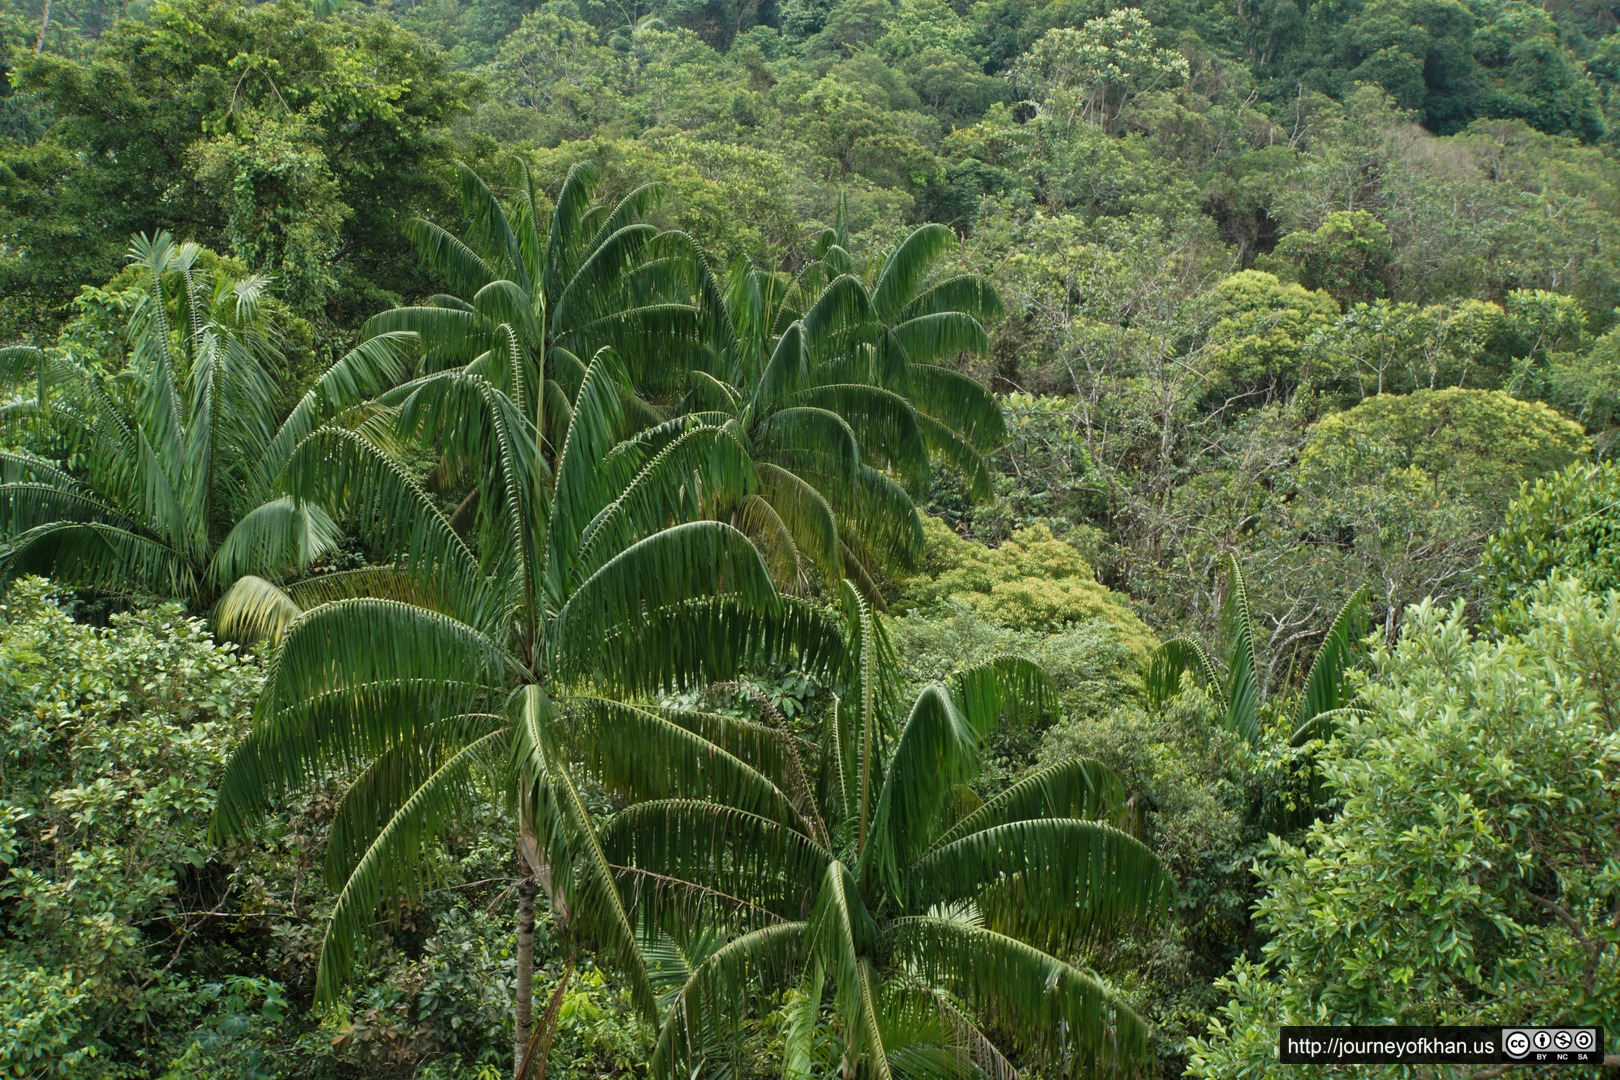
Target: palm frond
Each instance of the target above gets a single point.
(681, 563)
(806, 515)
(884, 423)
(810, 433)
(1078, 788)
(1162, 673)
(583, 489)
(1243, 691)
(565, 247)
(363, 372)
(357, 482)
(720, 993)
(687, 646)
(843, 935)
(967, 293)
(279, 536)
(332, 732)
(909, 265)
(671, 759)
(1003, 686)
(787, 371)
(1068, 1020)
(689, 479)
(959, 402)
(551, 808)
(462, 267)
(1055, 881)
(927, 339)
(687, 862)
(1325, 685)
(389, 867)
(99, 556)
(491, 228)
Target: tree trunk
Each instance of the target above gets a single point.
(540, 1045)
(44, 24)
(523, 1000)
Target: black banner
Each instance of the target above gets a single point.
(1440, 1046)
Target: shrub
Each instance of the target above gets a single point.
(1470, 875)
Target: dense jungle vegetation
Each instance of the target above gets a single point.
(800, 538)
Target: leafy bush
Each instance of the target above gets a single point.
(1569, 522)
(1034, 581)
(1470, 875)
(112, 740)
(1406, 489)
(1476, 445)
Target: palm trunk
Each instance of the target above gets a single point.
(523, 1001)
(540, 1046)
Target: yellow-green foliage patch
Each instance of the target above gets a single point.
(1034, 581)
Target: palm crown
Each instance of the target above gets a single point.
(906, 919)
(838, 387)
(574, 595)
(162, 479)
(536, 296)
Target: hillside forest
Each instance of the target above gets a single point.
(683, 539)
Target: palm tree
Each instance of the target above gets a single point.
(857, 372)
(839, 388)
(1241, 688)
(533, 297)
(579, 588)
(160, 477)
(914, 929)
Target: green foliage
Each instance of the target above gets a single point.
(1241, 684)
(156, 478)
(1193, 788)
(1412, 486)
(848, 405)
(1178, 241)
(1257, 343)
(572, 597)
(848, 890)
(1425, 898)
(1091, 73)
(1472, 445)
(1349, 255)
(1586, 388)
(300, 141)
(113, 739)
(1032, 582)
(1568, 524)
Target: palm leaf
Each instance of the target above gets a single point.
(720, 993)
(843, 934)
(685, 562)
(1242, 667)
(908, 266)
(551, 809)
(1325, 685)
(1162, 673)
(389, 866)
(1078, 788)
(1058, 881)
(1068, 1020)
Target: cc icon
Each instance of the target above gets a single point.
(1517, 1044)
